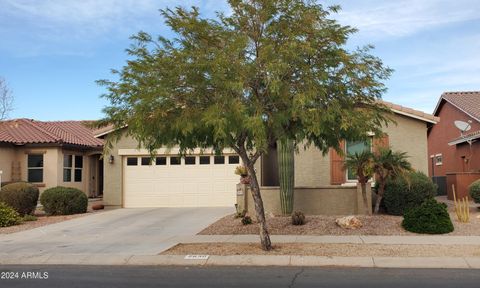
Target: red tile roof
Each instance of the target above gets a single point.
(467, 101)
(411, 112)
(27, 131)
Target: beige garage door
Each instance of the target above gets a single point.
(171, 181)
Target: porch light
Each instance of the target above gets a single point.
(111, 159)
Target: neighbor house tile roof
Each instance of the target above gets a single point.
(27, 131)
(467, 101)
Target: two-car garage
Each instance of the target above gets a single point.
(173, 181)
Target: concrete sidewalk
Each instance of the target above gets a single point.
(128, 258)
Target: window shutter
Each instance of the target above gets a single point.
(380, 142)
(337, 173)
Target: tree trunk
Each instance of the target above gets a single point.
(286, 173)
(365, 199)
(380, 191)
(257, 199)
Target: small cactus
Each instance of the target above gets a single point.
(298, 218)
(462, 207)
(247, 220)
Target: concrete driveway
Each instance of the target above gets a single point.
(146, 231)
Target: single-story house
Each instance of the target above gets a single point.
(454, 153)
(49, 154)
(132, 180)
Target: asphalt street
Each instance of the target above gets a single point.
(168, 276)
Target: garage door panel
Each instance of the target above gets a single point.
(180, 185)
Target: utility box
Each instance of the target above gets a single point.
(441, 182)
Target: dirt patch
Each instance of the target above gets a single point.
(325, 225)
(328, 250)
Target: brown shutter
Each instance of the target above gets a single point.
(380, 142)
(337, 173)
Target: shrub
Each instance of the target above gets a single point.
(28, 217)
(247, 220)
(474, 191)
(64, 201)
(21, 196)
(298, 218)
(403, 193)
(8, 216)
(429, 218)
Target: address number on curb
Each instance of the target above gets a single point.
(196, 257)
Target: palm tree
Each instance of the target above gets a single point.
(362, 165)
(388, 163)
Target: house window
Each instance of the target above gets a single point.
(233, 159)
(175, 161)
(146, 161)
(353, 147)
(35, 168)
(204, 160)
(161, 161)
(78, 168)
(438, 159)
(190, 160)
(67, 168)
(132, 161)
(219, 160)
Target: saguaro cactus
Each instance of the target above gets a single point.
(286, 173)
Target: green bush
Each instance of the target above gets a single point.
(429, 218)
(474, 190)
(27, 218)
(64, 201)
(8, 216)
(247, 220)
(21, 196)
(403, 193)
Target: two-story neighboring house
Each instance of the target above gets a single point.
(453, 154)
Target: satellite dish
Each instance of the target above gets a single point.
(462, 126)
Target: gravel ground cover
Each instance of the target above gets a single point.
(43, 219)
(325, 225)
(328, 250)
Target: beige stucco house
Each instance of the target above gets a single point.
(132, 180)
(49, 154)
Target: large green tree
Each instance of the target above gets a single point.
(269, 70)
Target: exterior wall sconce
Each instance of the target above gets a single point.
(111, 159)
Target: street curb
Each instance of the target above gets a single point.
(250, 260)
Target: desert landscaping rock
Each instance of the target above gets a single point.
(349, 222)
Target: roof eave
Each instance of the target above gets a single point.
(463, 140)
(415, 116)
(454, 105)
(108, 131)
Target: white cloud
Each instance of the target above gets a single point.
(35, 27)
(380, 19)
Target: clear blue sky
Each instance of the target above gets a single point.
(52, 51)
